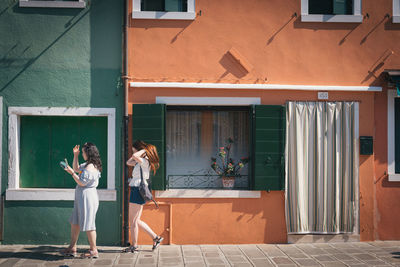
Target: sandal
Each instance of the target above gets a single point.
(90, 255)
(157, 242)
(68, 252)
(131, 249)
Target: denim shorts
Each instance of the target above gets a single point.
(135, 196)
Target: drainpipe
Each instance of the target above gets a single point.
(125, 149)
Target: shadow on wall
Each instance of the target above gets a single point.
(232, 67)
(17, 57)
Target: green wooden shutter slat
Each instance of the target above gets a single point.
(152, 5)
(148, 124)
(397, 134)
(269, 145)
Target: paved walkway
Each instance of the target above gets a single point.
(319, 254)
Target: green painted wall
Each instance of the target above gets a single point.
(55, 58)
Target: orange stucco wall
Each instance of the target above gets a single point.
(281, 50)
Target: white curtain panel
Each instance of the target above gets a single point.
(321, 167)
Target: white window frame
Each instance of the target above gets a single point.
(137, 13)
(356, 17)
(14, 192)
(393, 177)
(396, 11)
(53, 4)
(207, 101)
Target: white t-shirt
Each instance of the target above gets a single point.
(135, 180)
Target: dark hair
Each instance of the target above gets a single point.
(93, 155)
(151, 153)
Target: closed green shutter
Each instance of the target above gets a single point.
(149, 125)
(152, 5)
(269, 147)
(46, 140)
(330, 7)
(397, 133)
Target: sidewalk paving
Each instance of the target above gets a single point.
(378, 253)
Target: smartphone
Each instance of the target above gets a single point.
(64, 164)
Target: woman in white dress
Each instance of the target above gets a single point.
(144, 156)
(86, 199)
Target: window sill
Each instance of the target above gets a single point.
(54, 194)
(52, 4)
(163, 15)
(394, 177)
(207, 193)
(396, 19)
(332, 18)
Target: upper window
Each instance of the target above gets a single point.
(396, 11)
(331, 11)
(195, 135)
(53, 3)
(163, 9)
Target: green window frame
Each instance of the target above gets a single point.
(267, 133)
(46, 140)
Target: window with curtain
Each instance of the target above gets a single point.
(164, 5)
(194, 135)
(330, 7)
(46, 140)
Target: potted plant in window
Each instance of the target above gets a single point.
(226, 167)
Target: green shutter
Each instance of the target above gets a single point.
(148, 122)
(397, 133)
(46, 140)
(269, 147)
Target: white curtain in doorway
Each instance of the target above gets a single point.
(321, 167)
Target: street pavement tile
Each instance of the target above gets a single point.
(211, 254)
(145, 261)
(191, 253)
(109, 255)
(353, 262)
(364, 256)
(193, 259)
(103, 262)
(322, 245)
(282, 260)
(128, 255)
(332, 250)
(298, 256)
(217, 265)
(242, 264)
(236, 259)
(122, 265)
(195, 264)
(324, 258)
(271, 250)
(343, 257)
(376, 263)
(262, 263)
(289, 249)
(252, 251)
(333, 264)
(126, 261)
(307, 262)
(232, 252)
(352, 251)
(170, 254)
(215, 261)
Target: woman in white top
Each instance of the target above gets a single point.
(145, 157)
